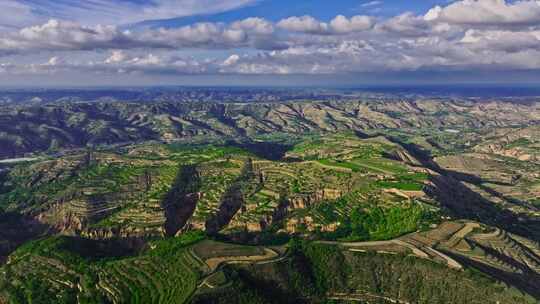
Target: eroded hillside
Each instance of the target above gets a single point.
(158, 190)
(32, 128)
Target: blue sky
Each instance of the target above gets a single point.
(273, 10)
(243, 42)
(276, 10)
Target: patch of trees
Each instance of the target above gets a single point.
(377, 223)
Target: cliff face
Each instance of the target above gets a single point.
(307, 200)
(122, 233)
(280, 212)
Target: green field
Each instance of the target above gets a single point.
(49, 269)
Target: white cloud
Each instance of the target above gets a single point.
(254, 25)
(302, 45)
(406, 24)
(233, 59)
(508, 41)
(54, 61)
(64, 35)
(488, 12)
(116, 57)
(339, 25)
(303, 24)
(56, 35)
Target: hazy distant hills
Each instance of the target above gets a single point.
(150, 95)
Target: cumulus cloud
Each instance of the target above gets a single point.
(500, 35)
(406, 24)
(56, 35)
(117, 62)
(153, 64)
(508, 41)
(303, 24)
(254, 25)
(339, 25)
(488, 12)
(116, 56)
(65, 35)
(205, 35)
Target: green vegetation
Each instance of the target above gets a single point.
(380, 165)
(30, 278)
(228, 173)
(333, 187)
(406, 182)
(330, 147)
(368, 216)
(310, 144)
(522, 142)
(374, 223)
(48, 271)
(340, 164)
(380, 224)
(169, 247)
(188, 154)
(323, 260)
(315, 272)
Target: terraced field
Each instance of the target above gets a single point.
(506, 256)
(133, 192)
(149, 280)
(216, 178)
(363, 193)
(166, 272)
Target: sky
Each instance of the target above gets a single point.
(268, 42)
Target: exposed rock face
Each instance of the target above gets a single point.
(68, 221)
(296, 225)
(287, 206)
(307, 200)
(123, 233)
